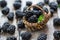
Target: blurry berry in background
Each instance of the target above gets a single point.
(5, 10)
(18, 1)
(3, 3)
(28, 3)
(45, 9)
(46, 1)
(58, 1)
(10, 16)
(11, 38)
(56, 35)
(56, 22)
(54, 6)
(42, 37)
(52, 12)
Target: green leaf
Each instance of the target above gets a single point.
(59, 5)
(41, 18)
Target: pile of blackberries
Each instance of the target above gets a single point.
(7, 28)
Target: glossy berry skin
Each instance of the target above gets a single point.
(46, 1)
(42, 37)
(26, 36)
(11, 38)
(17, 5)
(54, 6)
(33, 19)
(10, 16)
(5, 10)
(28, 3)
(56, 35)
(3, 3)
(37, 13)
(11, 29)
(41, 4)
(21, 25)
(19, 14)
(5, 26)
(56, 22)
(58, 1)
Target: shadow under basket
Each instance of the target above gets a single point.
(38, 25)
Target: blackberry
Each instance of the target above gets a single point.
(3, 3)
(33, 19)
(45, 9)
(28, 14)
(46, 1)
(5, 10)
(52, 12)
(26, 36)
(42, 37)
(11, 29)
(20, 24)
(56, 22)
(28, 3)
(11, 38)
(41, 4)
(57, 35)
(19, 14)
(37, 13)
(17, 5)
(5, 26)
(10, 16)
(54, 6)
(18, 1)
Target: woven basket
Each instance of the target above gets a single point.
(37, 26)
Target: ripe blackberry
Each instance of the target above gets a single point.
(46, 1)
(3, 3)
(33, 19)
(17, 5)
(5, 26)
(20, 24)
(54, 6)
(5, 10)
(56, 22)
(11, 38)
(11, 29)
(18, 1)
(10, 16)
(19, 14)
(28, 14)
(28, 3)
(41, 4)
(42, 37)
(57, 35)
(26, 36)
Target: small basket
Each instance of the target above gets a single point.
(38, 25)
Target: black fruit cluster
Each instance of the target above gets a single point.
(28, 3)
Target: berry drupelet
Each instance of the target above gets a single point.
(10, 16)
(5, 10)
(26, 36)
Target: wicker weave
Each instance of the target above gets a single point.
(37, 26)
